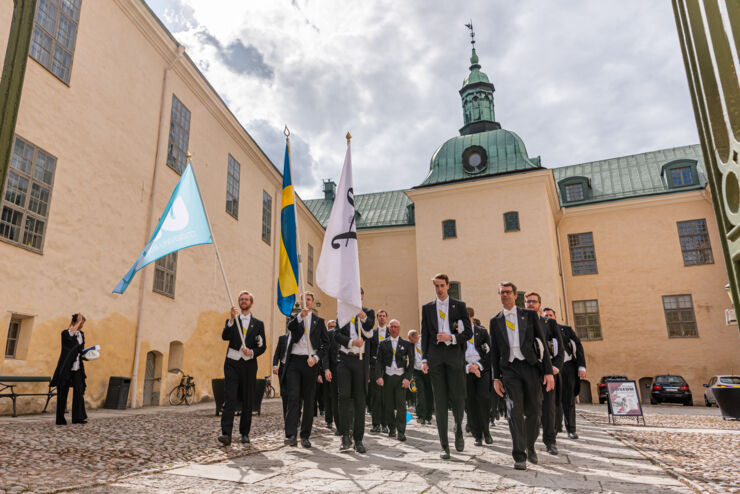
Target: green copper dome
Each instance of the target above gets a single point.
(483, 147)
(478, 155)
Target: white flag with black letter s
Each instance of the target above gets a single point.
(338, 271)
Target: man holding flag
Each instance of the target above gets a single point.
(338, 275)
(308, 340)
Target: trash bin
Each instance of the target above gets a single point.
(117, 396)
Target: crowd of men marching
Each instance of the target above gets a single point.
(525, 367)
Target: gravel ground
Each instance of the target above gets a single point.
(710, 460)
(37, 456)
(654, 417)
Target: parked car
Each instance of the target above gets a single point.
(670, 388)
(602, 386)
(727, 381)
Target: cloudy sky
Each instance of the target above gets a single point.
(577, 80)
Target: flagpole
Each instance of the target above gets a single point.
(297, 239)
(362, 348)
(213, 239)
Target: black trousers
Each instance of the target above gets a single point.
(424, 395)
(523, 401)
(239, 375)
(569, 377)
(331, 405)
(376, 404)
(447, 372)
(394, 401)
(77, 383)
(300, 380)
(351, 381)
(478, 403)
(550, 401)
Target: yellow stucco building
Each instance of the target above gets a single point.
(624, 249)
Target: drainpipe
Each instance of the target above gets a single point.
(150, 221)
(562, 269)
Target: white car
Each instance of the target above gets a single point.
(727, 381)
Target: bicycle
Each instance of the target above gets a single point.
(269, 390)
(183, 392)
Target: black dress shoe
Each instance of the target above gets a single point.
(520, 465)
(376, 428)
(487, 437)
(401, 436)
(572, 435)
(445, 453)
(552, 449)
(80, 421)
(459, 440)
(532, 457)
(62, 423)
(392, 433)
(291, 441)
(224, 439)
(305, 442)
(384, 429)
(245, 439)
(359, 447)
(478, 441)
(346, 444)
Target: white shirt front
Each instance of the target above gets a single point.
(471, 354)
(76, 364)
(417, 360)
(300, 347)
(238, 354)
(443, 319)
(515, 352)
(393, 369)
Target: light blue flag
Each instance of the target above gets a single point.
(182, 225)
(408, 417)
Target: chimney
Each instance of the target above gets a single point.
(330, 189)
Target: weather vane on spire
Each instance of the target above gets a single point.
(469, 25)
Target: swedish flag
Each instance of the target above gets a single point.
(288, 275)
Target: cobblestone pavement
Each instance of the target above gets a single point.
(173, 449)
(703, 448)
(38, 456)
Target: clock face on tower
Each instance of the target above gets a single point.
(474, 159)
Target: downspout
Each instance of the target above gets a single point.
(562, 269)
(150, 222)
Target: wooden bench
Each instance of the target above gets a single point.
(10, 382)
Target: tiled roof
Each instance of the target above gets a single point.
(376, 210)
(631, 176)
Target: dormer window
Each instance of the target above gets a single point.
(574, 192)
(575, 189)
(680, 173)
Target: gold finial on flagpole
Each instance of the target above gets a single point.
(349, 136)
(286, 131)
(188, 155)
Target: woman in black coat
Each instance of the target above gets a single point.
(70, 372)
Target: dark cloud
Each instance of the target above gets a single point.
(241, 58)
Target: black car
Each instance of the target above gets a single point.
(602, 386)
(670, 388)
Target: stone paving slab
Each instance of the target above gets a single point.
(595, 463)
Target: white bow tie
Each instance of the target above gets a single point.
(511, 312)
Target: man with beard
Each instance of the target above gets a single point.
(246, 336)
(392, 371)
